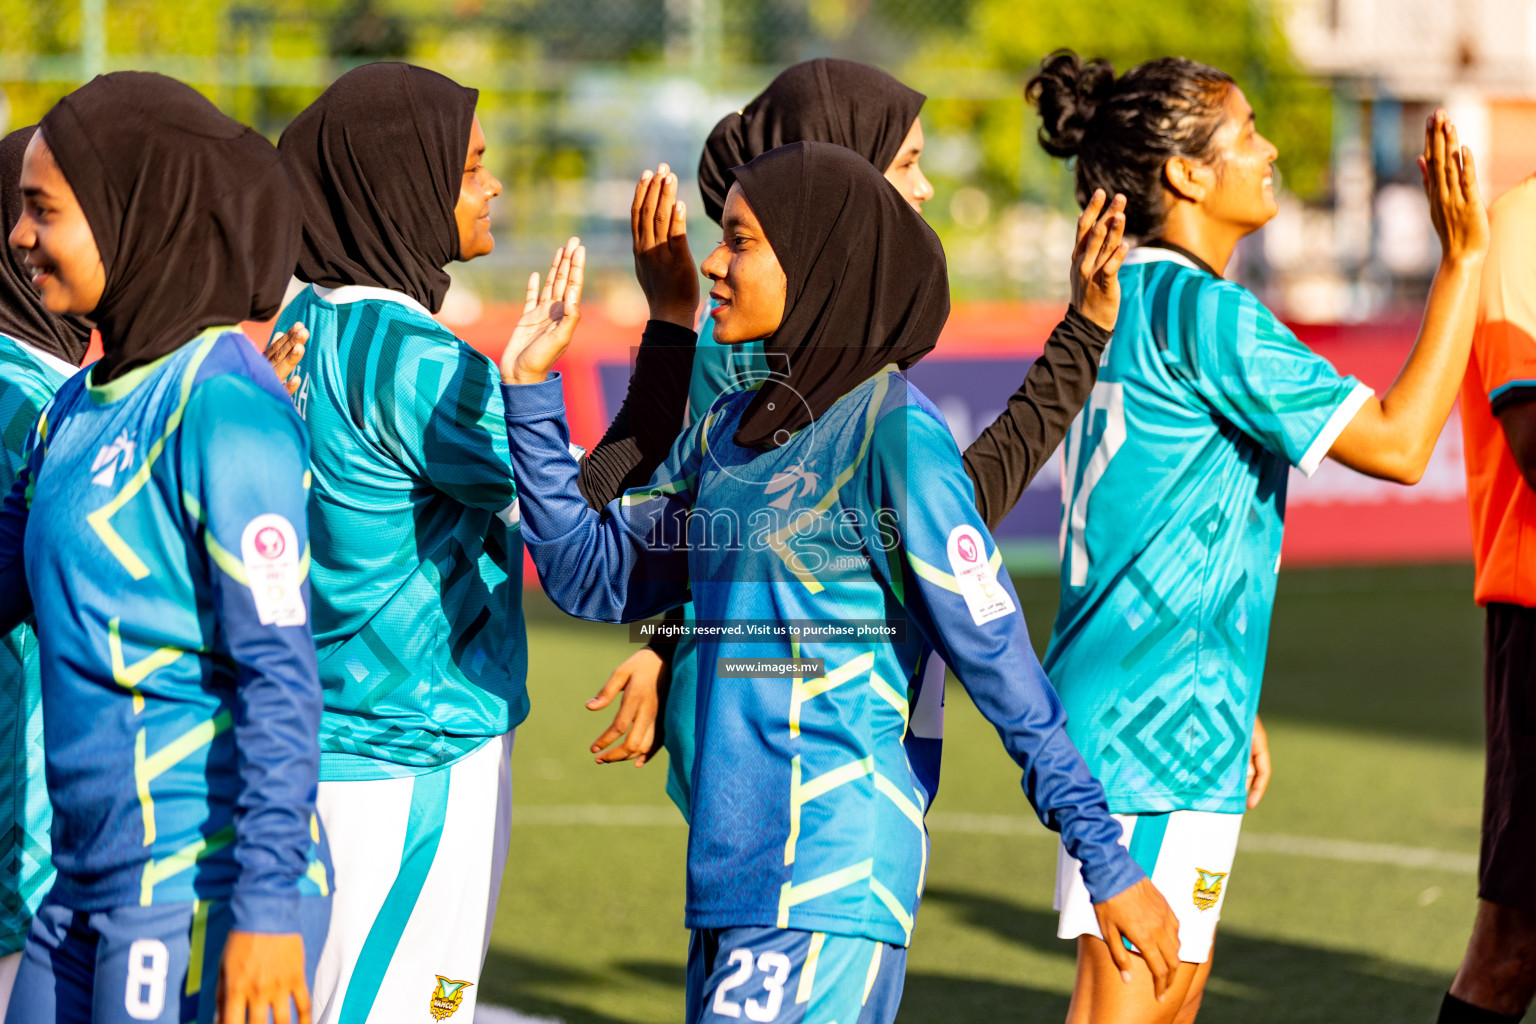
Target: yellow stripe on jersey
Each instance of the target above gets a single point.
(801, 794)
(101, 519)
(156, 872)
(791, 896)
(316, 874)
(874, 971)
(148, 767)
(809, 689)
(808, 969)
(892, 904)
(894, 699)
(130, 676)
(939, 578)
(232, 566)
(198, 945)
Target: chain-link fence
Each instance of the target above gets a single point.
(578, 96)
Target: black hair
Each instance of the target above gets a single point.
(1123, 131)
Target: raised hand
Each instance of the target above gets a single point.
(664, 265)
(284, 353)
(1096, 260)
(1450, 181)
(549, 318)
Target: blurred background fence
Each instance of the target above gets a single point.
(577, 96)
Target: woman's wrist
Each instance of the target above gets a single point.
(522, 376)
(682, 316)
(1464, 262)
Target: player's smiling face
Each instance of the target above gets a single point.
(53, 237)
(749, 284)
(1241, 191)
(472, 213)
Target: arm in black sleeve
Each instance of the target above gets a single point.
(641, 434)
(666, 646)
(1008, 454)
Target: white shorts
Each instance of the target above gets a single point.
(1187, 854)
(418, 867)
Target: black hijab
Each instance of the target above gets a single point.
(191, 211)
(378, 161)
(866, 282)
(843, 102)
(22, 313)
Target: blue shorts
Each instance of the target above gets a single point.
(134, 964)
(792, 977)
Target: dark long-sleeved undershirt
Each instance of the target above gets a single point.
(642, 432)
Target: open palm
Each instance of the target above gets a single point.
(549, 318)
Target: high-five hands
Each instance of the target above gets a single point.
(1450, 181)
(1096, 260)
(549, 318)
(285, 352)
(664, 266)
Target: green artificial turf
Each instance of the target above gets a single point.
(1372, 700)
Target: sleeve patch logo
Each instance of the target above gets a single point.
(977, 582)
(269, 547)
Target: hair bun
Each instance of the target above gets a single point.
(1068, 91)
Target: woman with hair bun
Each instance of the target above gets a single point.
(1175, 474)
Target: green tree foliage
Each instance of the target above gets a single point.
(1009, 38)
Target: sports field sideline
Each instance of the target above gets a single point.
(1354, 883)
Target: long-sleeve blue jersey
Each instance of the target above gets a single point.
(158, 527)
(807, 809)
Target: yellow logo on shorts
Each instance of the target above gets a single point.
(447, 997)
(1208, 888)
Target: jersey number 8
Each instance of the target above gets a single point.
(148, 963)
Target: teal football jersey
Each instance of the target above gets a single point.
(417, 574)
(1173, 508)
(28, 378)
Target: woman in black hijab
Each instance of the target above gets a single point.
(866, 110)
(160, 511)
(843, 102)
(834, 498)
(416, 502)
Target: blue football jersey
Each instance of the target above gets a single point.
(718, 370)
(157, 527)
(28, 379)
(807, 811)
(1173, 505)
